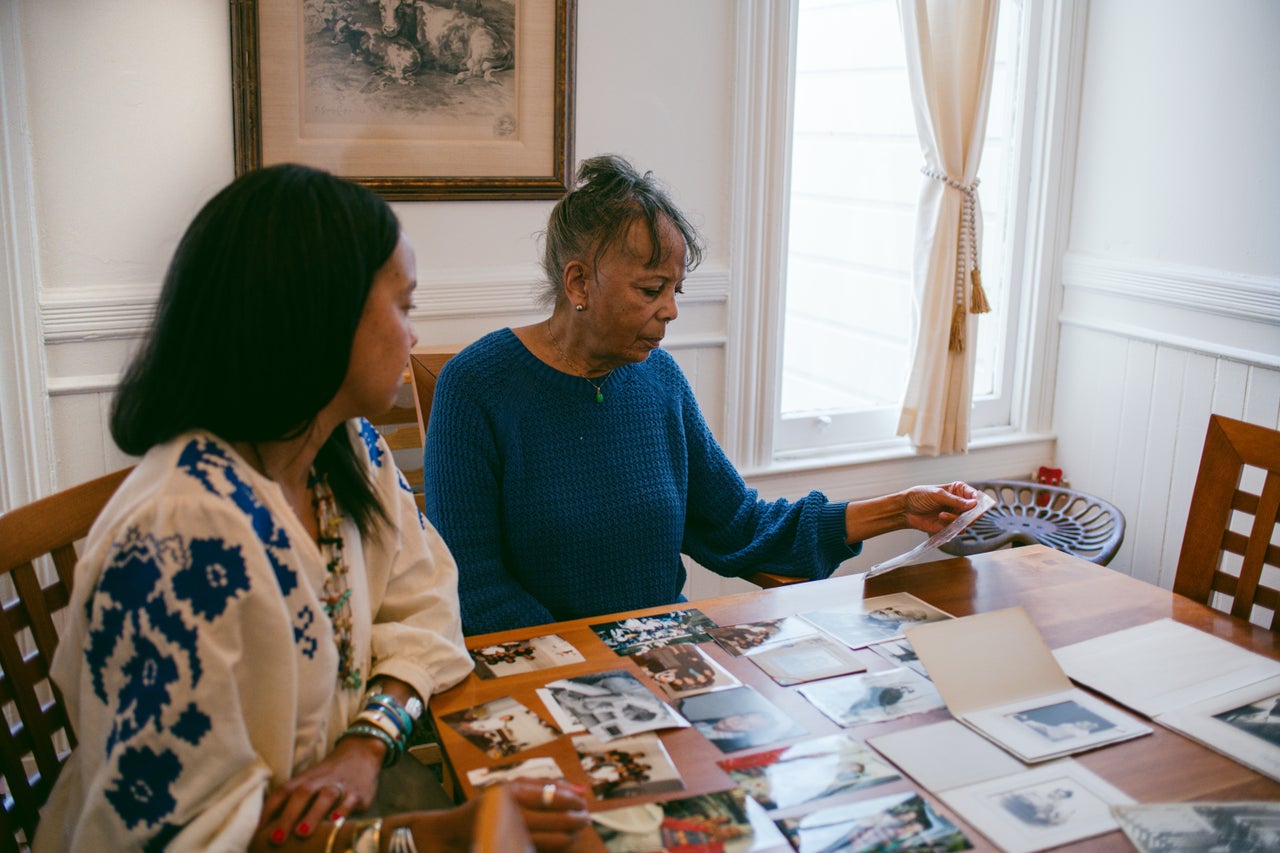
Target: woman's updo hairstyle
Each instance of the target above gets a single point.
(609, 196)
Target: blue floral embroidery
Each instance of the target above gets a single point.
(148, 675)
(101, 644)
(192, 725)
(130, 578)
(370, 436)
(160, 841)
(305, 619)
(215, 575)
(141, 790)
(171, 625)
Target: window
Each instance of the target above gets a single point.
(854, 180)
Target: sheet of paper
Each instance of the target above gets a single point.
(945, 755)
(1163, 665)
(942, 537)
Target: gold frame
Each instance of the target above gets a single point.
(537, 163)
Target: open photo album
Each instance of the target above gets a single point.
(998, 677)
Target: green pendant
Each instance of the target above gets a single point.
(599, 396)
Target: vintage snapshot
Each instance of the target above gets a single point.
(710, 822)
(937, 540)
(900, 653)
(524, 656)
(1059, 724)
(502, 727)
(807, 771)
(627, 767)
(749, 637)
(1243, 725)
(897, 822)
(641, 633)
(684, 670)
(610, 704)
(739, 718)
(1243, 827)
(874, 697)
(806, 659)
(881, 618)
(1040, 808)
(532, 768)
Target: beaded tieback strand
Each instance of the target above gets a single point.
(337, 590)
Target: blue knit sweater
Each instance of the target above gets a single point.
(558, 507)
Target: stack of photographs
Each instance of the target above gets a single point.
(788, 650)
(609, 704)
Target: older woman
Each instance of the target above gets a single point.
(261, 611)
(568, 464)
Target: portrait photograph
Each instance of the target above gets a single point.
(739, 718)
(1062, 722)
(683, 669)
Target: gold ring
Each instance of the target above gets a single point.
(548, 794)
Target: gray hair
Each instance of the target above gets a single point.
(610, 195)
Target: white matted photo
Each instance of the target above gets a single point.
(1040, 808)
(807, 659)
(1057, 724)
(900, 653)
(1243, 725)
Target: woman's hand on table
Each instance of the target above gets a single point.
(345, 781)
(555, 812)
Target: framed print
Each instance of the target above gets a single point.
(415, 99)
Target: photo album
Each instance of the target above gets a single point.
(998, 677)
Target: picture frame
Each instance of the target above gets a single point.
(477, 106)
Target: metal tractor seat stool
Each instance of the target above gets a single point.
(1029, 513)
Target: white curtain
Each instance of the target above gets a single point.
(950, 54)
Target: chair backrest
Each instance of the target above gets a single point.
(37, 737)
(1231, 447)
(499, 825)
(399, 426)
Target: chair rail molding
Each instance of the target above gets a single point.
(25, 433)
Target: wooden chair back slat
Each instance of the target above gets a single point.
(37, 736)
(1230, 447)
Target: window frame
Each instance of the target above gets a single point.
(764, 80)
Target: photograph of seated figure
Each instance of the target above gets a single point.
(567, 463)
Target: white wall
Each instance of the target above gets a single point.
(1171, 305)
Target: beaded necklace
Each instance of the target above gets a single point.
(599, 386)
(336, 593)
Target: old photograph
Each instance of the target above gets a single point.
(610, 704)
(502, 727)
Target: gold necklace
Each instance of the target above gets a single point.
(599, 386)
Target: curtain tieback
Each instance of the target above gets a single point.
(966, 258)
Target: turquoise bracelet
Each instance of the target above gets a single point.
(394, 748)
(382, 700)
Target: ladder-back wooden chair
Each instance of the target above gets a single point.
(37, 736)
(426, 363)
(1230, 448)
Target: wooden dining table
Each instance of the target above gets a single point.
(1068, 600)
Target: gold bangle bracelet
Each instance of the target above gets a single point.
(333, 834)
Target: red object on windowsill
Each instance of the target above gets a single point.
(1048, 477)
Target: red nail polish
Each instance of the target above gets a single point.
(304, 829)
(277, 837)
(334, 815)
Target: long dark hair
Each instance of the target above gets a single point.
(253, 331)
(609, 196)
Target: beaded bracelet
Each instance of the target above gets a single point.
(363, 730)
(382, 700)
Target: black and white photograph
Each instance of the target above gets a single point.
(876, 619)
(637, 634)
(421, 99)
(531, 768)
(739, 718)
(1062, 722)
(609, 704)
(627, 767)
(900, 653)
(501, 728)
(1037, 809)
(1243, 827)
(904, 821)
(684, 669)
(873, 697)
(524, 656)
(1260, 719)
(807, 771)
